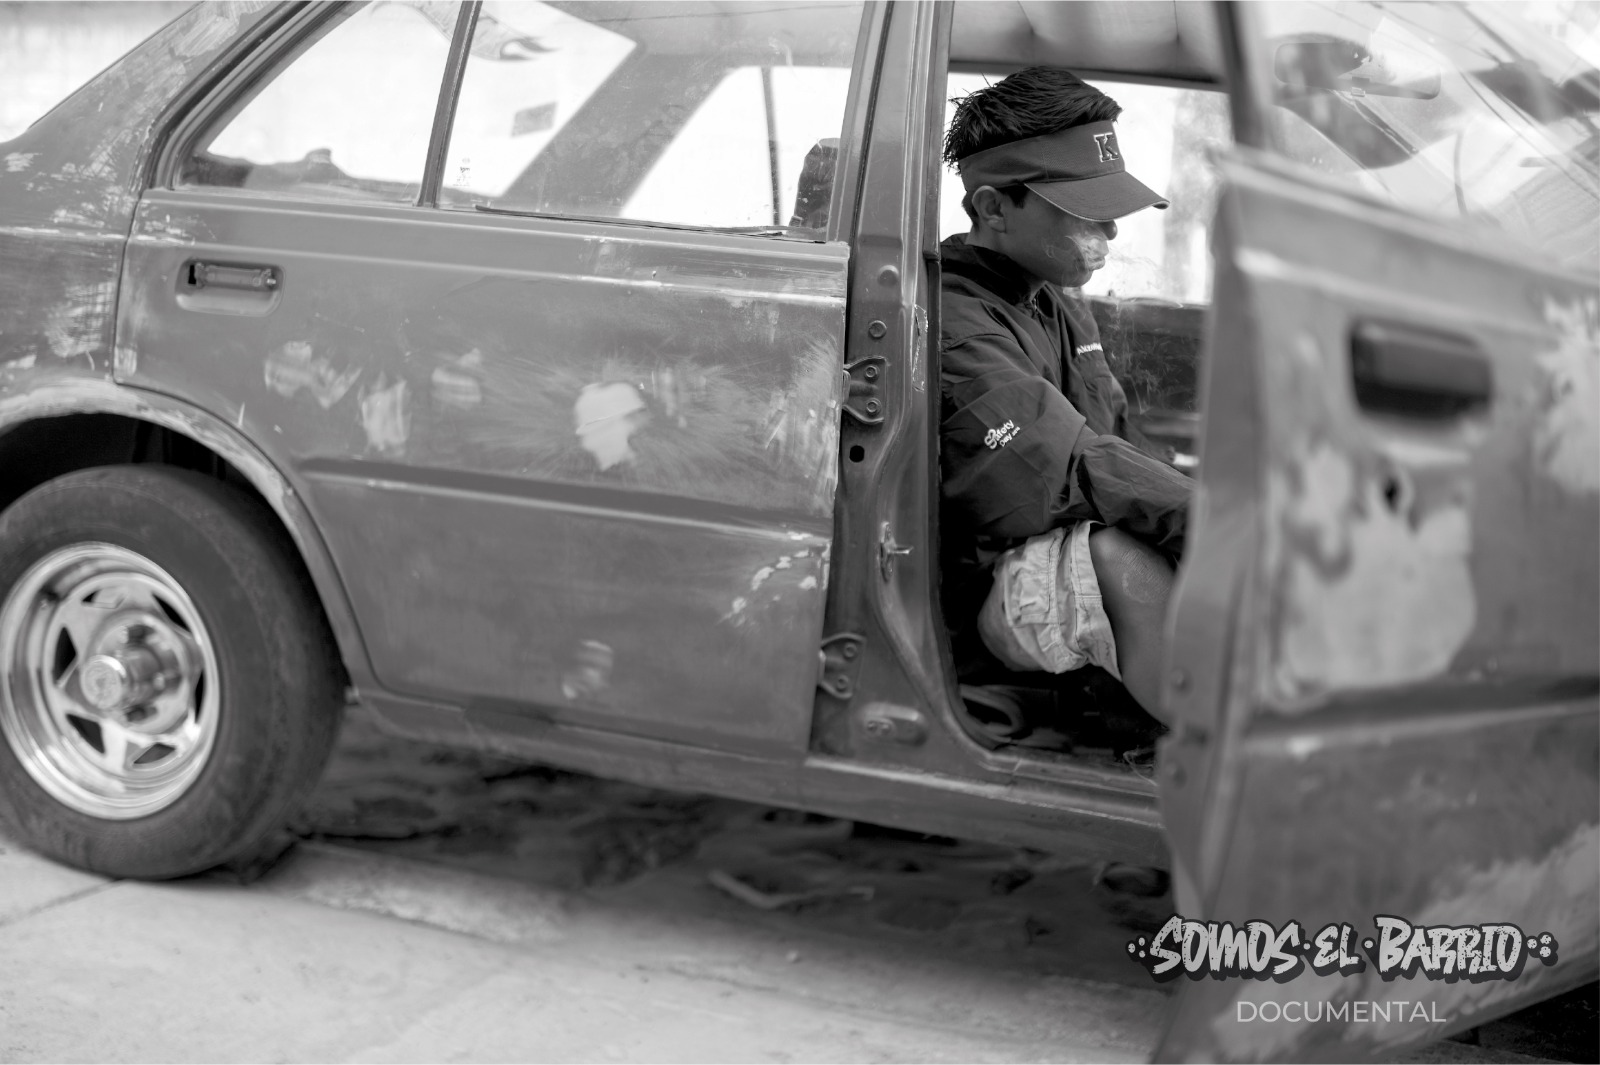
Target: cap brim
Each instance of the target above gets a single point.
(1100, 199)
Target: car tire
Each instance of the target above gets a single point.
(169, 688)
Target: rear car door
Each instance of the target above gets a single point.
(1398, 513)
(555, 373)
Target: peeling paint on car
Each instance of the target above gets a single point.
(73, 328)
(295, 366)
(590, 672)
(385, 416)
(69, 183)
(164, 230)
(795, 571)
(1378, 589)
(605, 417)
(458, 381)
(1567, 437)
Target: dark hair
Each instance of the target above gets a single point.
(1029, 103)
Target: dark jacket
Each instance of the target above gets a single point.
(1034, 430)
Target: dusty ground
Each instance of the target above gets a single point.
(619, 844)
(1003, 912)
(442, 906)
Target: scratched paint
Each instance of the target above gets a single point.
(458, 382)
(1379, 590)
(385, 416)
(74, 327)
(68, 186)
(801, 570)
(589, 674)
(295, 367)
(164, 229)
(605, 417)
(1567, 437)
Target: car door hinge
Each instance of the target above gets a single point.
(863, 389)
(840, 660)
(888, 550)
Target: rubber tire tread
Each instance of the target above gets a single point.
(282, 682)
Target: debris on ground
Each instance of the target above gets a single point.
(766, 900)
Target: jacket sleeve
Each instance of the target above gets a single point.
(1019, 459)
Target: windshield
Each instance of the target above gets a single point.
(1482, 112)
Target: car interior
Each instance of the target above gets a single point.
(1162, 63)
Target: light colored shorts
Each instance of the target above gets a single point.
(1045, 610)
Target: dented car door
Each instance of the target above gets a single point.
(1389, 757)
(572, 440)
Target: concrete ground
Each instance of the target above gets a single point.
(445, 907)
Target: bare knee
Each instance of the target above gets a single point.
(1135, 584)
(1130, 571)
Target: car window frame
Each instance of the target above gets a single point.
(217, 101)
(854, 127)
(220, 101)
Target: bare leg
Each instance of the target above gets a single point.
(1135, 584)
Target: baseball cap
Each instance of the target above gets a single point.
(1080, 170)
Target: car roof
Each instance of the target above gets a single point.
(1144, 41)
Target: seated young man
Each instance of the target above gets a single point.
(1060, 534)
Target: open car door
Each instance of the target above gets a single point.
(1395, 728)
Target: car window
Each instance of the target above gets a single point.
(529, 70)
(1166, 133)
(1482, 114)
(348, 118)
(739, 159)
(698, 114)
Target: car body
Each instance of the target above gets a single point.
(657, 499)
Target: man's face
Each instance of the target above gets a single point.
(1052, 245)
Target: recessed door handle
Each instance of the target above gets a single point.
(1410, 371)
(229, 288)
(248, 277)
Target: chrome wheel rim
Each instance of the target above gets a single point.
(109, 689)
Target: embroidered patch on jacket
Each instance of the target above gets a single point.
(1000, 437)
(1084, 348)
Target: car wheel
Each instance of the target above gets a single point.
(168, 684)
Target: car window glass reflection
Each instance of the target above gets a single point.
(1481, 113)
(348, 119)
(688, 114)
(529, 70)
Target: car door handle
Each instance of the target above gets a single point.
(1414, 372)
(248, 277)
(229, 288)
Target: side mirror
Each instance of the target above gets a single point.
(1335, 65)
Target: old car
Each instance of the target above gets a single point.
(561, 380)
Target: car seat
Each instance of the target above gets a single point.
(815, 193)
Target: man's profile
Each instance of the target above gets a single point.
(1059, 532)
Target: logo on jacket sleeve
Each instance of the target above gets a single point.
(1000, 437)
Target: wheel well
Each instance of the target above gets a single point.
(42, 450)
(46, 448)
